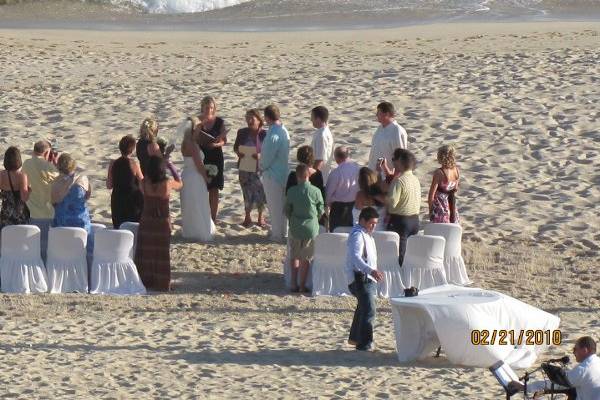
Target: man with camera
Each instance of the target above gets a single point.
(585, 377)
(41, 171)
(362, 273)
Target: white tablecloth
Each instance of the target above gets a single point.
(447, 314)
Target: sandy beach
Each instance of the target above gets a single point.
(520, 101)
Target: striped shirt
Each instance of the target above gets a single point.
(404, 197)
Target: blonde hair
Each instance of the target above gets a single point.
(206, 101)
(149, 129)
(446, 156)
(65, 164)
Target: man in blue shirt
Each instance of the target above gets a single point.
(274, 157)
(362, 274)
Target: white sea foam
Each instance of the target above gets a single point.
(178, 6)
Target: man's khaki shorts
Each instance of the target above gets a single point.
(302, 249)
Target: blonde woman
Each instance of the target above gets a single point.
(213, 151)
(147, 145)
(69, 195)
(442, 193)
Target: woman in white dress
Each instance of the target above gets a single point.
(195, 208)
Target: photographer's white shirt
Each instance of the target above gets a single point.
(585, 378)
(361, 255)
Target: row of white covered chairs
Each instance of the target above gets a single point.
(432, 259)
(112, 270)
(328, 266)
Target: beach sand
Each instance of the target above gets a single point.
(519, 101)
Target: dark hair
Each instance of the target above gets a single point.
(406, 159)
(386, 107)
(162, 145)
(321, 113)
(156, 170)
(12, 159)
(301, 169)
(253, 112)
(305, 155)
(126, 145)
(587, 342)
(368, 213)
(272, 112)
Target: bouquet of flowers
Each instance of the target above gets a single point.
(211, 170)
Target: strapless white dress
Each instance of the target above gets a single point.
(380, 221)
(195, 209)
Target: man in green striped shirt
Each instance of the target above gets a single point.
(303, 207)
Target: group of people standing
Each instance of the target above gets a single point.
(387, 185)
(48, 191)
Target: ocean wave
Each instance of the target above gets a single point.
(178, 6)
(152, 6)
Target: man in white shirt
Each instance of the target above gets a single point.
(585, 377)
(322, 141)
(362, 275)
(388, 137)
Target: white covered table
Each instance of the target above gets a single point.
(446, 315)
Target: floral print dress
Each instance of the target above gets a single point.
(14, 210)
(444, 208)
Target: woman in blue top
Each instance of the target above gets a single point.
(70, 192)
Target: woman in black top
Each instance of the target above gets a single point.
(213, 151)
(306, 156)
(124, 177)
(146, 145)
(14, 190)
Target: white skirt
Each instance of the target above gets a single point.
(195, 209)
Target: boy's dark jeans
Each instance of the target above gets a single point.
(365, 291)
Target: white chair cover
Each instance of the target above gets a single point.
(328, 266)
(448, 314)
(423, 265)
(113, 271)
(454, 265)
(21, 267)
(343, 229)
(96, 226)
(387, 244)
(67, 264)
(133, 228)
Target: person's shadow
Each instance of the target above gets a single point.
(290, 357)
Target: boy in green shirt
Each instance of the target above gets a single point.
(303, 207)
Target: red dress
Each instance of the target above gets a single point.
(152, 256)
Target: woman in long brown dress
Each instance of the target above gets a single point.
(152, 256)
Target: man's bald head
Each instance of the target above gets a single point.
(341, 154)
